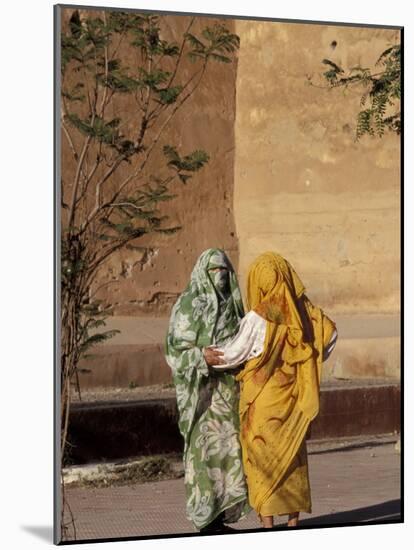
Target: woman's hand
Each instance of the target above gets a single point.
(213, 356)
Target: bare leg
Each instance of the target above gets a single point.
(293, 519)
(267, 521)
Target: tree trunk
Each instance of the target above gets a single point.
(69, 360)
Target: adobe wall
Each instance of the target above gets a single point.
(148, 282)
(303, 186)
(285, 174)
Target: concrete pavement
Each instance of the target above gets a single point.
(354, 485)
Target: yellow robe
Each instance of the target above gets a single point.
(279, 390)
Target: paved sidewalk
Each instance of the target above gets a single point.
(356, 485)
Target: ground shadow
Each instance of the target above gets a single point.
(389, 511)
(44, 532)
(386, 511)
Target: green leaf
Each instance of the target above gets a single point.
(171, 153)
(121, 22)
(387, 52)
(190, 163)
(184, 178)
(193, 56)
(194, 161)
(154, 78)
(169, 50)
(73, 94)
(102, 131)
(195, 42)
(334, 66)
(330, 75)
(119, 81)
(221, 58)
(98, 339)
(169, 95)
(168, 230)
(75, 24)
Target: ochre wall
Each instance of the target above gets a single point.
(149, 282)
(303, 186)
(285, 174)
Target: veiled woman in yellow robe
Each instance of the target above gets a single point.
(279, 390)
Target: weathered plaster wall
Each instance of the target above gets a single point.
(148, 282)
(285, 174)
(303, 186)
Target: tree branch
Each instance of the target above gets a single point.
(97, 289)
(69, 138)
(77, 176)
(101, 259)
(349, 80)
(105, 92)
(174, 110)
(154, 142)
(181, 52)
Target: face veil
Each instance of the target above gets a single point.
(218, 270)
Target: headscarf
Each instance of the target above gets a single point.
(270, 275)
(202, 315)
(297, 331)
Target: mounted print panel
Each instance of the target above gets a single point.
(228, 288)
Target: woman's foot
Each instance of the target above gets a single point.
(267, 521)
(217, 526)
(293, 519)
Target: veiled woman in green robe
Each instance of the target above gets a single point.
(208, 312)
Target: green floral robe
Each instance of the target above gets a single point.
(207, 401)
